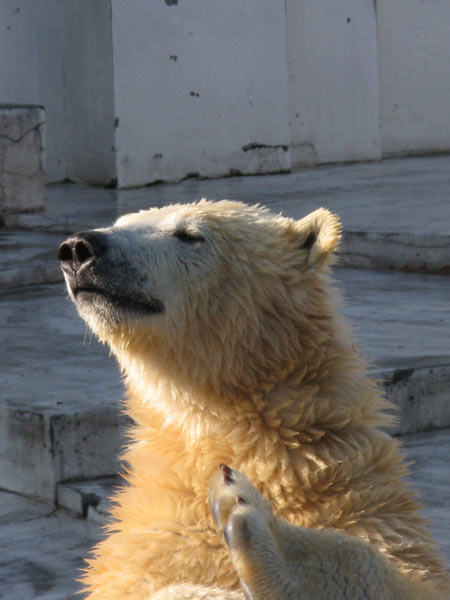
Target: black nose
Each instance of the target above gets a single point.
(81, 247)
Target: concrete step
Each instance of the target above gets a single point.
(89, 498)
(59, 399)
(402, 324)
(43, 548)
(395, 252)
(60, 413)
(395, 213)
(28, 258)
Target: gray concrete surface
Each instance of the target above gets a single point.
(402, 323)
(59, 416)
(430, 476)
(88, 497)
(396, 196)
(42, 549)
(22, 143)
(28, 258)
(395, 213)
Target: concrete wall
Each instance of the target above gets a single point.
(333, 81)
(414, 57)
(32, 67)
(200, 87)
(89, 93)
(58, 53)
(145, 90)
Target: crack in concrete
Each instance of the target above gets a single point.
(19, 139)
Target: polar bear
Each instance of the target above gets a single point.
(224, 320)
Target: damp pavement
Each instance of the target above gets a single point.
(61, 426)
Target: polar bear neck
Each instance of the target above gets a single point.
(325, 389)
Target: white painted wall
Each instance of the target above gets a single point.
(214, 87)
(333, 81)
(89, 92)
(58, 53)
(197, 84)
(32, 67)
(414, 56)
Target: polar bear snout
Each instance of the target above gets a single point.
(99, 276)
(81, 250)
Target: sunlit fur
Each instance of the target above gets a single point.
(250, 365)
(278, 561)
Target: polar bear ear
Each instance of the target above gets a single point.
(318, 235)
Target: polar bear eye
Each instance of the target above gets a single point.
(189, 238)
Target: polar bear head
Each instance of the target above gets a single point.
(214, 293)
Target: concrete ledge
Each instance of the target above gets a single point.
(59, 401)
(396, 251)
(22, 146)
(37, 450)
(421, 396)
(37, 274)
(88, 496)
(387, 223)
(28, 258)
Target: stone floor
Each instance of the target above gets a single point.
(42, 549)
(402, 195)
(395, 213)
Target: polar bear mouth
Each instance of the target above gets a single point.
(152, 306)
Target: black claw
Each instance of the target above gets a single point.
(227, 478)
(226, 469)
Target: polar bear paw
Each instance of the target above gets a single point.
(277, 561)
(231, 494)
(249, 527)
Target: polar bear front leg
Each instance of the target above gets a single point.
(248, 525)
(276, 561)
